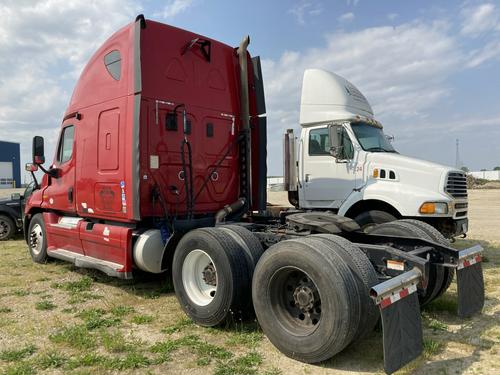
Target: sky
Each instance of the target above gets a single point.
(430, 69)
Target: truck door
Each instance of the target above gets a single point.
(60, 194)
(327, 181)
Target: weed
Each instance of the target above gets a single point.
(76, 336)
(69, 310)
(245, 365)
(446, 302)
(51, 360)
(45, 305)
(247, 338)
(86, 360)
(83, 297)
(4, 310)
(115, 342)
(121, 311)
(17, 355)
(82, 285)
(95, 318)
(431, 347)
(20, 293)
(21, 368)
(436, 325)
(178, 326)
(142, 319)
(132, 360)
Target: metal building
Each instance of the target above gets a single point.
(10, 169)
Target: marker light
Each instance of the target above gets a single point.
(375, 173)
(430, 208)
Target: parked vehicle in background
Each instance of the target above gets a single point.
(161, 166)
(344, 163)
(11, 213)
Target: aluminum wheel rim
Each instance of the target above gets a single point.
(195, 270)
(36, 239)
(4, 228)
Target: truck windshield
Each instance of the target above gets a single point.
(371, 138)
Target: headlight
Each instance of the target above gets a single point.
(430, 208)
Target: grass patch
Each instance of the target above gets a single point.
(45, 305)
(142, 319)
(131, 361)
(5, 310)
(82, 285)
(178, 326)
(83, 297)
(96, 318)
(20, 293)
(436, 325)
(77, 337)
(244, 365)
(86, 360)
(21, 368)
(432, 347)
(121, 311)
(115, 342)
(51, 360)
(446, 303)
(245, 337)
(17, 355)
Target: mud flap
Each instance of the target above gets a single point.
(470, 287)
(401, 321)
(402, 330)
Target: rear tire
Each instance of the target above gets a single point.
(7, 228)
(370, 218)
(37, 239)
(305, 299)
(436, 236)
(436, 274)
(366, 278)
(248, 242)
(211, 277)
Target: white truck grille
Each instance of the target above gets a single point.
(456, 185)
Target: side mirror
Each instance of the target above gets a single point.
(336, 147)
(390, 138)
(38, 150)
(15, 196)
(30, 167)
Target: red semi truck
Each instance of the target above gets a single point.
(161, 166)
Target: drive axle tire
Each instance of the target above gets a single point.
(305, 299)
(436, 274)
(436, 236)
(366, 278)
(370, 218)
(37, 239)
(211, 277)
(7, 228)
(248, 242)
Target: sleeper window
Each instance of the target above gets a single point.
(113, 62)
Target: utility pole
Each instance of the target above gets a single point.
(458, 163)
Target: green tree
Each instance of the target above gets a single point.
(465, 169)
(496, 169)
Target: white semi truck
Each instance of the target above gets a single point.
(343, 162)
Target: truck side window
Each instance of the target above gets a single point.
(66, 144)
(319, 142)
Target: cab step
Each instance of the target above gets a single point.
(79, 260)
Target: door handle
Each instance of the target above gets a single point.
(70, 195)
(307, 177)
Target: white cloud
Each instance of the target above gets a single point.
(392, 16)
(346, 17)
(305, 9)
(43, 47)
(490, 51)
(174, 7)
(479, 19)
